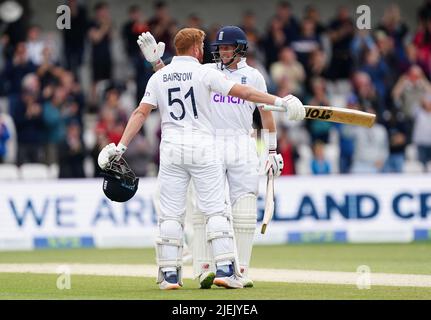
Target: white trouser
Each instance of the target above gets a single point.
(241, 164)
(208, 176)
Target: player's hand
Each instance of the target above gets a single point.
(294, 108)
(151, 50)
(275, 163)
(110, 152)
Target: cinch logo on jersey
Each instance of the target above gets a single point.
(186, 76)
(229, 99)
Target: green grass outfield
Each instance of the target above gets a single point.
(388, 258)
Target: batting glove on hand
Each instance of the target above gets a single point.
(151, 50)
(110, 152)
(294, 108)
(275, 163)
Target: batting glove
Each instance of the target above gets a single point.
(110, 152)
(151, 50)
(275, 163)
(294, 108)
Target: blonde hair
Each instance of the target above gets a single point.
(187, 38)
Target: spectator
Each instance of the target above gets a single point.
(27, 115)
(397, 66)
(4, 137)
(131, 31)
(361, 42)
(399, 134)
(252, 61)
(371, 148)
(346, 140)
(422, 130)
(72, 153)
(317, 66)
(422, 41)
(341, 32)
(48, 72)
(248, 25)
(15, 32)
(100, 34)
(319, 165)
(366, 94)
(319, 130)
(306, 42)
(16, 69)
(311, 13)
(74, 108)
(412, 57)
(109, 126)
(142, 69)
(409, 91)
(55, 123)
(74, 38)
(35, 45)
(112, 102)
(424, 12)
(377, 69)
(287, 150)
(395, 28)
(273, 42)
(163, 27)
(289, 23)
(288, 68)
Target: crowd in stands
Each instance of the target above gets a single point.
(385, 70)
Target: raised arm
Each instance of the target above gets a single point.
(152, 51)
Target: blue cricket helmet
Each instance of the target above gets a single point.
(230, 35)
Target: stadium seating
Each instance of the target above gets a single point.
(53, 171)
(413, 166)
(9, 172)
(411, 152)
(37, 171)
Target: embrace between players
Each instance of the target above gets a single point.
(199, 136)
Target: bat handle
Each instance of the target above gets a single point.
(263, 229)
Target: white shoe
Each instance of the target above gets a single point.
(232, 282)
(164, 285)
(172, 284)
(206, 279)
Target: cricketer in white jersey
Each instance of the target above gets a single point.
(233, 131)
(185, 78)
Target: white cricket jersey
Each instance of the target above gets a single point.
(233, 114)
(182, 92)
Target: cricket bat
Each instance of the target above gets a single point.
(334, 114)
(269, 201)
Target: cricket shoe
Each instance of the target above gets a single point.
(227, 279)
(206, 279)
(170, 281)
